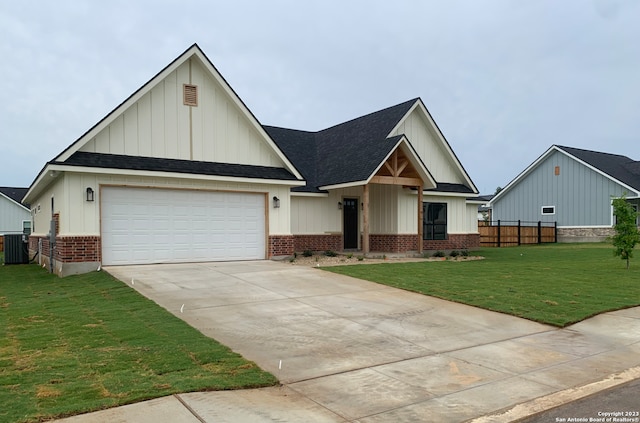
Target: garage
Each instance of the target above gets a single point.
(146, 225)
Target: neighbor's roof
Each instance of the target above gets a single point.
(15, 194)
(335, 155)
(618, 168)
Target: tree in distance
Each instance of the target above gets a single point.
(627, 235)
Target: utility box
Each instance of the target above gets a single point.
(16, 251)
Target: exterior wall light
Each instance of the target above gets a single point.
(89, 194)
(276, 202)
(339, 205)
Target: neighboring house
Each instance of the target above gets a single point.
(484, 209)
(182, 171)
(14, 215)
(572, 187)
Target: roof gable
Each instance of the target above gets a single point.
(134, 121)
(188, 134)
(433, 148)
(617, 168)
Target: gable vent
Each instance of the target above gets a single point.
(190, 95)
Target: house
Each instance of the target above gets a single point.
(182, 171)
(15, 216)
(573, 187)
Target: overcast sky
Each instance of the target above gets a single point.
(503, 79)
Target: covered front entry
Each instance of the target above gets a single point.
(147, 225)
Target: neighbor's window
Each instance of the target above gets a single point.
(548, 210)
(434, 221)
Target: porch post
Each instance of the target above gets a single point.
(420, 219)
(365, 219)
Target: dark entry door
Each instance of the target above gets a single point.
(350, 223)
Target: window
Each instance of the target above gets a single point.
(548, 210)
(434, 221)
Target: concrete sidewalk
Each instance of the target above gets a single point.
(350, 350)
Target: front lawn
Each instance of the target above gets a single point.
(558, 284)
(90, 342)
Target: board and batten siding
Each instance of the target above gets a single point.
(160, 125)
(393, 210)
(581, 196)
(438, 161)
(321, 215)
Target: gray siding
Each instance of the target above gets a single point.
(581, 196)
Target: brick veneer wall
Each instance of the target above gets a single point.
(69, 249)
(455, 242)
(75, 249)
(281, 245)
(398, 243)
(326, 242)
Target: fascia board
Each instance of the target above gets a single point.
(344, 185)
(309, 194)
(446, 194)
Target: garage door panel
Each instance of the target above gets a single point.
(159, 225)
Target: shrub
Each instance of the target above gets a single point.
(454, 253)
(307, 253)
(330, 253)
(360, 258)
(439, 254)
(464, 253)
(350, 255)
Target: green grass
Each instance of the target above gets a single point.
(557, 284)
(90, 342)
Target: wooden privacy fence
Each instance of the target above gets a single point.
(511, 233)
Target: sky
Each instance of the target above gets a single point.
(503, 79)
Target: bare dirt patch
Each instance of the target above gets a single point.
(321, 260)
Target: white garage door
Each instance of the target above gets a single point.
(162, 226)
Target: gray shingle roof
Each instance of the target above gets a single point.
(16, 194)
(117, 161)
(344, 153)
(621, 168)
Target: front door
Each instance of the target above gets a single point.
(350, 223)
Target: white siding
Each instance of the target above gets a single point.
(433, 154)
(79, 217)
(159, 125)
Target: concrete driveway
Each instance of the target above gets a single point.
(350, 350)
